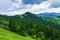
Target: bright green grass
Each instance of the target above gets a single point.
(7, 35)
(57, 20)
(22, 16)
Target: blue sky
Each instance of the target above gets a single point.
(14, 7)
(32, 1)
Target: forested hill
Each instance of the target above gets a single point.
(28, 24)
(29, 17)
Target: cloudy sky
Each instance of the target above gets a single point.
(14, 7)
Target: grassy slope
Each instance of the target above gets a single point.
(57, 20)
(7, 35)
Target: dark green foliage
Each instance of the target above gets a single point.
(12, 26)
(40, 28)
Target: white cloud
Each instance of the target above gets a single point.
(16, 5)
(19, 8)
(24, 8)
(5, 4)
(50, 10)
(55, 3)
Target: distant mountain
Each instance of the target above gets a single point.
(49, 14)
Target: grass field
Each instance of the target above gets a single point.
(57, 20)
(7, 35)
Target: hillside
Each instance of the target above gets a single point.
(28, 24)
(57, 20)
(7, 35)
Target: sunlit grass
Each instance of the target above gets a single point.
(7, 35)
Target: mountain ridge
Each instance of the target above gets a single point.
(49, 14)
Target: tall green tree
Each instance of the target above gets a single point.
(12, 26)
